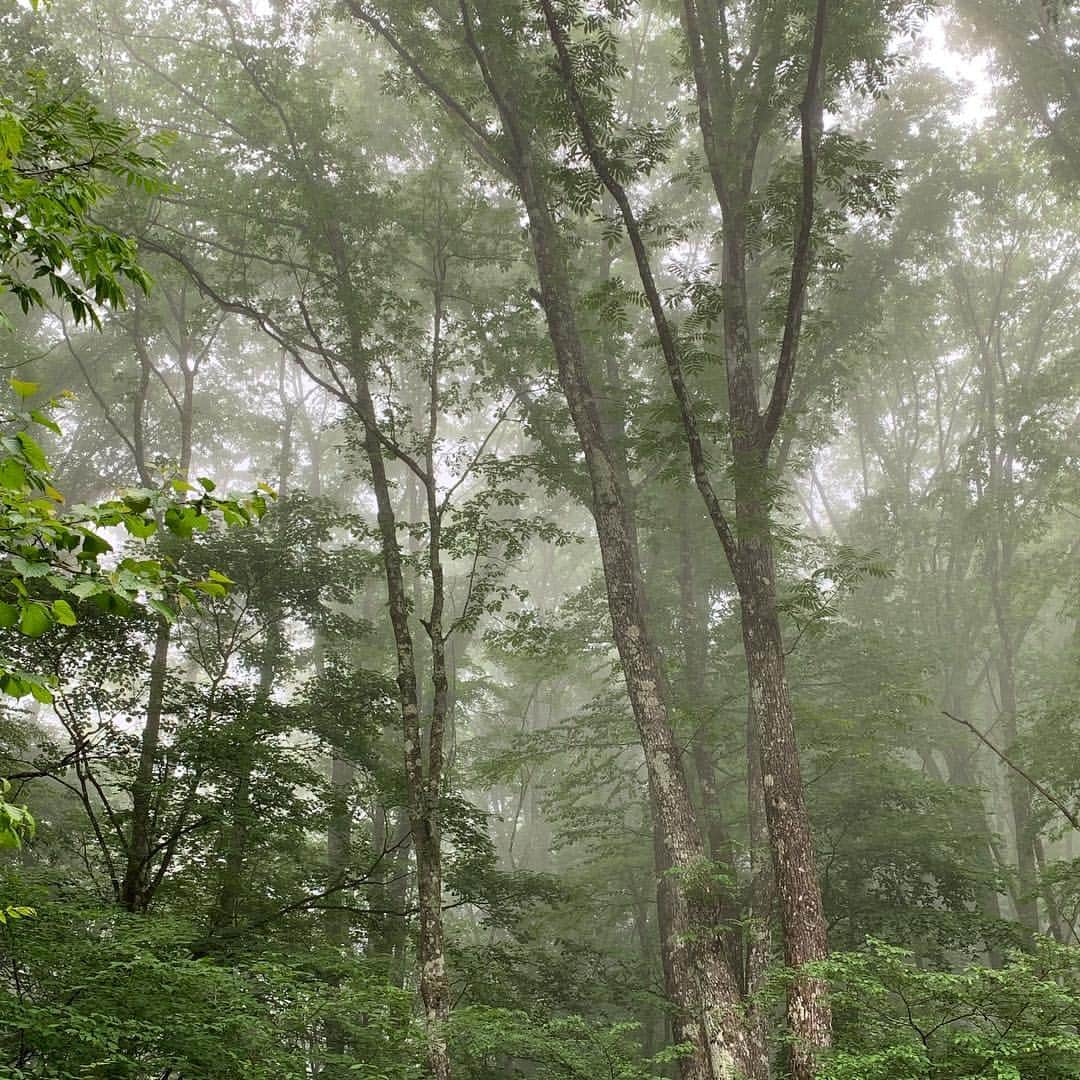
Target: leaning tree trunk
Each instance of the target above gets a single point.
(703, 983)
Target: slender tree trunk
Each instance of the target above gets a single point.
(231, 887)
(137, 883)
(1024, 834)
(230, 896)
(136, 892)
(422, 786)
(338, 844)
(999, 566)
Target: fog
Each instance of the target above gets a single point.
(539, 539)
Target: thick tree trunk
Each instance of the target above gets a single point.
(758, 945)
(703, 985)
(746, 906)
(797, 889)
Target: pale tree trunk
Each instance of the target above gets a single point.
(795, 875)
(731, 156)
(702, 984)
(423, 784)
(747, 910)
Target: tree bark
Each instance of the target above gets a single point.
(136, 886)
(703, 985)
(423, 786)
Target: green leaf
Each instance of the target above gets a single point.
(94, 545)
(41, 693)
(86, 588)
(139, 527)
(162, 609)
(64, 613)
(24, 389)
(9, 614)
(32, 452)
(15, 687)
(12, 475)
(45, 421)
(137, 499)
(35, 619)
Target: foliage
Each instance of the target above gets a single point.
(51, 556)
(493, 1043)
(333, 260)
(898, 1020)
(16, 822)
(100, 993)
(58, 152)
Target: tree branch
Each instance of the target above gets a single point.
(1072, 818)
(812, 111)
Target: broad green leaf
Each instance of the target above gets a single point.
(140, 527)
(45, 421)
(41, 693)
(162, 609)
(32, 452)
(64, 613)
(35, 619)
(86, 588)
(24, 389)
(94, 545)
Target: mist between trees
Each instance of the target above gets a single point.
(539, 539)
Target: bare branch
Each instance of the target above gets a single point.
(1072, 818)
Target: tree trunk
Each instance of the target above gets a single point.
(136, 887)
(422, 786)
(338, 844)
(702, 983)
(797, 889)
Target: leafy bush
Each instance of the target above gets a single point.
(897, 1021)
